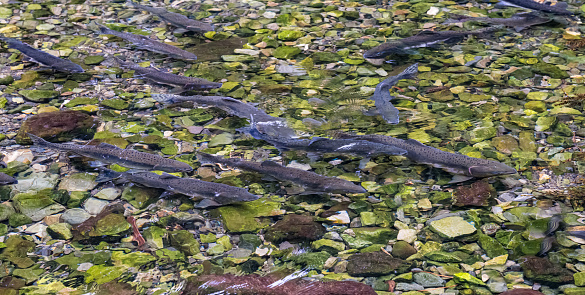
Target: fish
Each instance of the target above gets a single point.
(382, 95)
(272, 125)
(7, 179)
(112, 154)
(423, 39)
(546, 245)
(213, 194)
(553, 225)
(183, 83)
(362, 148)
(150, 44)
(560, 8)
(56, 63)
(315, 182)
(451, 162)
(519, 21)
(176, 19)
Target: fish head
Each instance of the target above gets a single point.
(375, 53)
(490, 169)
(344, 187)
(175, 166)
(230, 197)
(71, 68)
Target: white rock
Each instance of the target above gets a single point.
(110, 193)
(24, 156)
(84, 266)
(94, 206)
(433, 10)
(295, 164)
(407, 235)
(341, 218)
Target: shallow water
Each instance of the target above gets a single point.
(512, 97)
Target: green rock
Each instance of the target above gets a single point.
(6, 80)
(18, 219)
(78, 182)
(452, 227)
(579, 278)
(368, 236)
(154, 236)
(527, 142)
(5, 12)
(184, 241)
(5, 212)
(468, 97)
(441, 256)
(221, 139)
(111, 225)
(93, 60)
(237, 58)
(225, 242)
(537, 106)
(134, 259)
(39, 95)
(61, 231)
(506, 144)
(36, 205)
(491, 246)
(545, 123)
(30, 274)
(76, 198)
(209, 238)
(80, 100)
(289, 35)
(115, 103)
(375, 264)
(403, 250)
(70, 85)
(249, 241)
(286, 52)
(16, 251)
(313, 260)
(482, 133)
(368, 218)
(243, 217)
(574, 291)
(325, 57)
(537, 95)
(102, 274)
(550, 70)
(216, 250)
(464, 277)
(428, 280)
(329, 246)
(140, 197)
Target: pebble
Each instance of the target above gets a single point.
(75, 216)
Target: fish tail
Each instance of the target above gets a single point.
(205, 158)
(410, 71)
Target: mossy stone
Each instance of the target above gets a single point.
(184, 241)
(93, 60)
(17, 219)
(243, 217)
(325, 57)
(313, 260)
(57, 126)
(36, 205)
(39, 95)
(290, 35)
(115, 103)
(154, 236)
(286, 52)
(111, 225)
(60, 231)
(491, 246)
(535, 105)
(16, 251)
(330, 246)
(6, 80)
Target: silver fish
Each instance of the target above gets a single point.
(213, 194)
(149, 44)
(176, 19)
(7, 179)
(450, 162)
(311, 180)
(382, 95)
(44, 58)
(559, 8)
(519, 21)
(184, 83)
(111, 154)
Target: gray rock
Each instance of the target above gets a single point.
(428, 280)
(110, 193)
(94, 206)
(408, 287)
(60, 231)
(5, 212)
(452, 227)
(36, 181)
(498, 287)
(75, 216)
(80, 182)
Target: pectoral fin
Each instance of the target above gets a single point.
(207, 203)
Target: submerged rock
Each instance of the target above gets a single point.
(543, 270)
(452, 227)
(477, 194)
(295, 228)
(36, 205)
(374, 264)
(57, 126)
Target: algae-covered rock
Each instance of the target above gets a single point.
(75, 216)
(17, 219)
(295, 228)
(115, 103)
(103, 274)
(452, 227)
(289, 35)
(537, 106)
(312, 260)
(374, 264)
(57, 126)
(36, 205)
(39, 95)
(111, 225)
(93, 60)
(184, 241)
(477, 194)
(80, 182)
(16, 251)
(243, 217)
(5, 212)
(403, 250)
(545, 123)
(428, 280)
(491, 246)
(542, 269)
(60, 231)
(506, 144)
(154, 236)
(329, 246)
(140, 197)
(482, 133)
(286, 52)
(325, 57)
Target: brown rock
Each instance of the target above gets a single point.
(58, 126)
(477, 194)
(374, 264)
(521, 292)
(505, 144)
(543, 270)
(403, 250)
(295, 228)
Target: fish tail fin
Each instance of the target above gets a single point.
(103, 29)
(205, 158)
(38, 140)
(410, 71)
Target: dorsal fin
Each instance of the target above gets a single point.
(167, 176)
(104, 145)
(414, 141)
(315, 139)
(270, 164)
(562, 5)
(426, 32)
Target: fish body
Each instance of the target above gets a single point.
(44, 58)
(176, 19)
(271, 125)
(358, 147)
(382, 95)
(111, 154)
(423, 39)
(560, 8)
(214, 194)
(450, 162)
(149, 44)
(7, 179)
(519, 21)
(311, 180)
(185, 83)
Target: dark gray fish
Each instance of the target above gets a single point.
(362, 148)
(111, 154)
(213, 194)
(519, 21)
(559, 8)
(176, 19)
(7, 179)
(270, 124)
(44, 58)
(553, 225)
(423, 39)
(311, 180)
(149, 44)
(382, 95)
(450, 162)
(546, 245)
(3, 165)
(184, 83)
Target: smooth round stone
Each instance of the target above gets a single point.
(110, 193)
(75, 216)
(94, 206)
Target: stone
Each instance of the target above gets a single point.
(17, 219)
(185, 242)
(290, 35)
(286, 52)
(249, 241)
(527, 142)
(36, 181)
(522, 292)
(61, 231)
(154, 236)
(476, 194)
(329, 246)
(16, 251)
(94, 206)
(428, 280)
(542, 269)
(75, 216)
(482, 133)
(115, 103)
(36, 205)
(374, 264)
(491, 246)
(408, 287)
(452, 227)
(545, 123)
(57, 126)
(325, 57)
(535, 105)
(464, 277)
(110, 193)
(407, 235)
(221, 139)
(93, 60)
(111, 225)
(403, 250)
(80, 182)
(506, 144)
(314, 260)
(295, 227)
(5, 212)
(244, 217)
(140, 197)
(39, 95)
